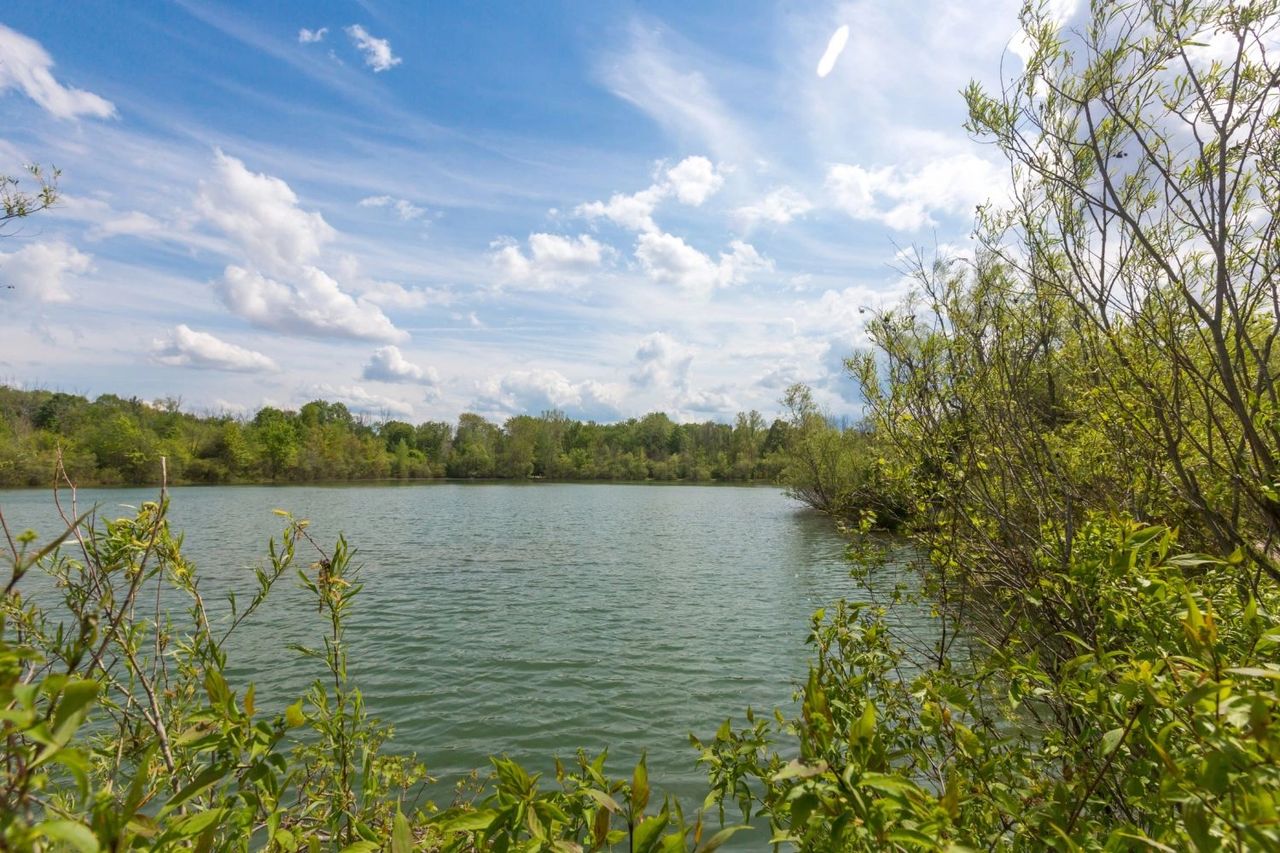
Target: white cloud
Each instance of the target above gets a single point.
(533, 391)
(669, 259)
(663, 367)
(135, 223)
(306, 36)
(388, 294)
(707, 402)
(634, 212)
(740, 263)
(552, 260)
(405, 209)
(377, 52)
(906, 200)
(780, 376)
(261, 213)
(661, 83)
(359, 400)
(834, 48)
(281, 287)
(780, 207)
(387, 364)
(185, 347)
(311, 304)
(37, 272)
(25, 65)
(1052, 12)
(663, 362)
(694, 180)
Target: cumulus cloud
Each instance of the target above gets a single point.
(280, 286)
(662, 362)
(707, 402)
(669, 259)
(694, 180)
(691, 181)
(633, 212)
(25, 65)
(261, 213)
(387, 364)
(360, 401)
(377, 52)
(185, 347)
(38, 272)
(780, 376)
(551, 260)
(405, 209)
(665, 257)
(311, 303)
(907, 200)
(663, 366)
(779, 207)
(834, 48)
(530, 391)
(306, 36)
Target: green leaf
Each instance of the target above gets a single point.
(603, 799)
(914, 838)
(1255, 672)
(362, 847)
(77, 694)
(401, 838)
(865, 727)
(640, 787)
(647, 833)
(69, 832)
(715, 841)
(204, 779)
(466, 821)
(197, 823)
(1111, 740)
(888, 784)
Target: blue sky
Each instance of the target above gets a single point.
(422, 209)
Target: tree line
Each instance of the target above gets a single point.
(112, 440)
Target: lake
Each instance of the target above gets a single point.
(528, 619)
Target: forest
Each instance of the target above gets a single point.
(116, 441)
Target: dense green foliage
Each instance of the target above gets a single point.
(1100, 374)
(116, 441)
(838, 470)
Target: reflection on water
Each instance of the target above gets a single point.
(529, 619)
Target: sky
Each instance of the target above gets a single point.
(605, 208)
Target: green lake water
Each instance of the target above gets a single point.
(528, 619)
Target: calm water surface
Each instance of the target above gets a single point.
(528, 619)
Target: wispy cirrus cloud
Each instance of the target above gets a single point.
(26, 66)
